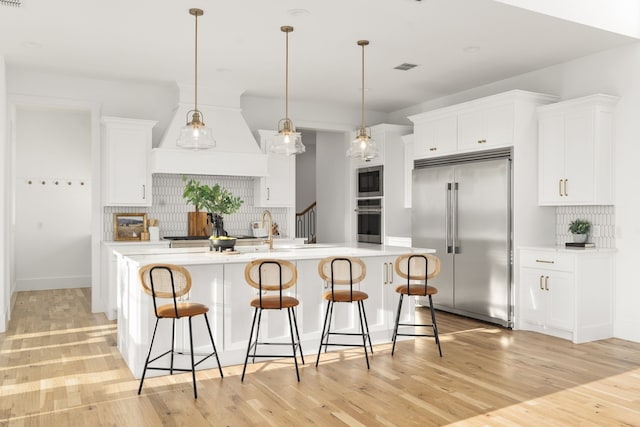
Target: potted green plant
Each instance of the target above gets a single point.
(580, 229)
(215, 200)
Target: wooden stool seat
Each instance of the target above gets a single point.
(416, 290)
(272, 302)
(168, 281)
(185, 309)
(345, 296)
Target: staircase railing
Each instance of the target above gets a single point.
(306, 223)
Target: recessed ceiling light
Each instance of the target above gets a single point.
(32, 45)
(471, 49)
(298, 12)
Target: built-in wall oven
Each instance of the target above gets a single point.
(369, 181)
(369, 220)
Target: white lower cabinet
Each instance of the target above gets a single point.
(107, 294)
(566, 293)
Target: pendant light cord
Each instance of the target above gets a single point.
(196, 66)
(363, 45)
(286, 90)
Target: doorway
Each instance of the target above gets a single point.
(53, 188)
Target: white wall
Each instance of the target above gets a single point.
(332, 190)
(306, 172)
(613, 72)
(264, 113)
(52, 198)
(134, 100)
(5, 174)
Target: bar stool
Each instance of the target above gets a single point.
(167, 281)
(343, 271)
(417, 267)
(272, 275)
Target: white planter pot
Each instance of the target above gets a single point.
(580, 238)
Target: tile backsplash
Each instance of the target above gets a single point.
(170, 209)
(602, 220)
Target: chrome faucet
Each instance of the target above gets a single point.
(269, 240)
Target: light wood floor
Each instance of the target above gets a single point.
(60, 367)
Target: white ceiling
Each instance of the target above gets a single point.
(241, 46)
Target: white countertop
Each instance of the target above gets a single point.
(194, 256)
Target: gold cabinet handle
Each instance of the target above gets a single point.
(560, 188)
(541, 288)
(544, 261)
(546, 283)
(433, 148)
(566, 187)
(482, 141)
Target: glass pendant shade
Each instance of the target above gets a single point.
(195, 135)
(287, 141)
(363, 147)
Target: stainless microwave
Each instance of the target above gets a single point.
(369, 181)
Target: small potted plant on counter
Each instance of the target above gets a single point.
(580, 229)
(213, 199)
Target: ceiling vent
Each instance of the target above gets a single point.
(12, 3)
(405, 66)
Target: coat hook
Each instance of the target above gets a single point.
(44, 182)
(69, 183)
(56, 182)
(81, 182)
(29, 182)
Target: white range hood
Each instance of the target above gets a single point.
(236, 152)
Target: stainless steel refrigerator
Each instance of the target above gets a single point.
(461, 206)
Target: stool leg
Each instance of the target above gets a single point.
(295, 323)
(395, 329)
(293, 342)
(366, 324)
(255, 349)
(435, 327)
(253, 324)
(144, 371)
(173, 334)
(364, 338)
(324, 327)
(213, 344)
(329, 325)
(193, 363)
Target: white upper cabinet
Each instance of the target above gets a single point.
(493, 121)
(490, 126)
(435, 136)
(277, 189)
(575, 151)
(126, 148)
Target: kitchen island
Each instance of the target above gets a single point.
(218, 282)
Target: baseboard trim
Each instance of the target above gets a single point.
(47, 283)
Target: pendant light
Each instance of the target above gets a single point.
(287, 141)
(363, 146)
(195, 135)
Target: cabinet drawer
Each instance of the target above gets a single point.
(547, 260)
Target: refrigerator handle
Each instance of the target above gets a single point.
(447, 221)
(454, 220)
